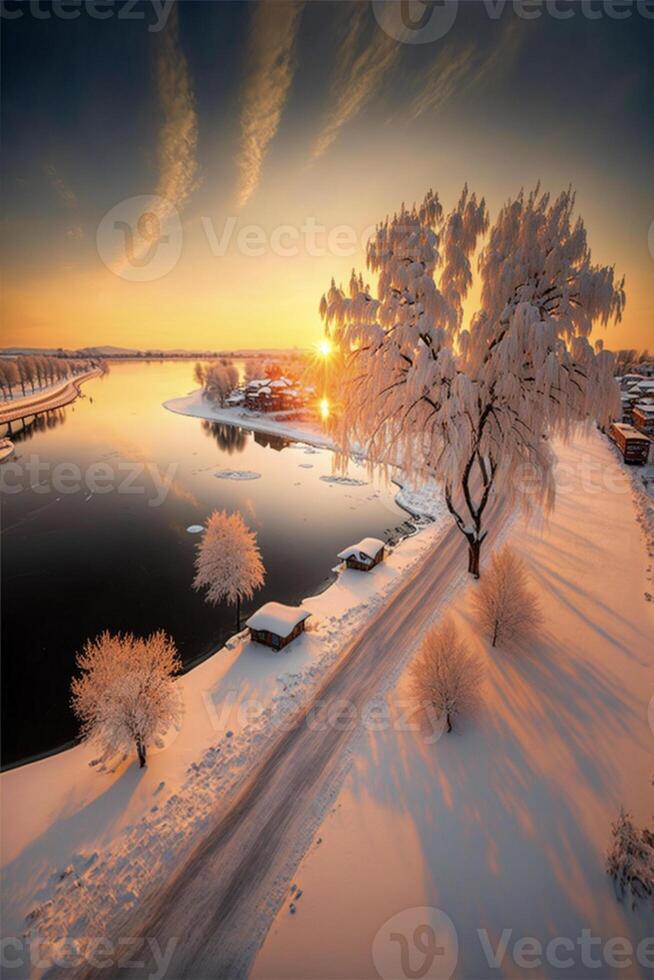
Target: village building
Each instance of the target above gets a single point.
(643, 417)
(276, 625)
(265, 395)
(364, 555)
(635, 446)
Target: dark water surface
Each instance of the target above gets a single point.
(88, 547)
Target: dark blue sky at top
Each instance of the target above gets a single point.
(80, 95)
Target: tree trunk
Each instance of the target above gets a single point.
(495, 629)
(140, 749)
(474, 555)
(238, 613)
(448, 722)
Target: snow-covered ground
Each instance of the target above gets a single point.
(642, 483)
(196, 405)
(61, 818)
(425, 502)
(503, 826)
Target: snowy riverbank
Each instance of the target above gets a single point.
(518, 804)
(423, 502)
(196, 405)
(64, 823)
(45, 399)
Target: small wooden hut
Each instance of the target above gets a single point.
(276, 625)
(364, 555)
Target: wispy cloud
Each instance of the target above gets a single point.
(271, 61)
(177, 144)
(357, 77)
(458, 69)
(66, 195)
(178, 136)
(61, 187)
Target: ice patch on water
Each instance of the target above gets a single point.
(237, 475)
(345, 481)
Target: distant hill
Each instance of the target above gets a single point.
(109, 352)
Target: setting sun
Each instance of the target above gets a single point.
(324, 347)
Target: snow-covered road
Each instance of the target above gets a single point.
(219, 904)
(45, 399)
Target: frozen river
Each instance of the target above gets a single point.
(96, 507)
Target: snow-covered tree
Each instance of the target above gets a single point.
(8, 377)
(126, 696)
(198, 373)
(630, 860)
(253, 368)
(476, 405)
(445, 678)
(506, 608)
(228, 561)
(219, 379)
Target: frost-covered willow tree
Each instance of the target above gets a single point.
(126, 696)
(228, 561)
(475, 404)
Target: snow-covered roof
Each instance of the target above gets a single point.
(277, 618)
(366, 550)
(264, 391)
(645, 408)
(257, 383)
(630, 431)
(281, 383)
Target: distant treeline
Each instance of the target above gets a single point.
(118, 354)
(27, 372)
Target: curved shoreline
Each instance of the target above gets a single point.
(39, 402)
(418, 519)
(195, 405)
(421, 505)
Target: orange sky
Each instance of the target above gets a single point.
(326, 140)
